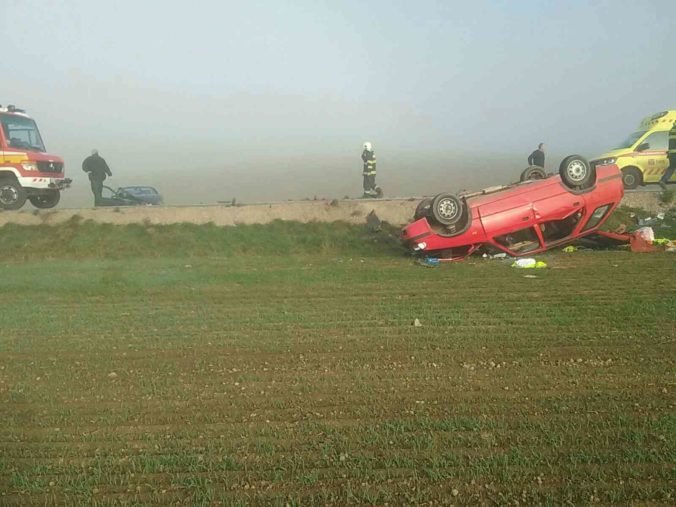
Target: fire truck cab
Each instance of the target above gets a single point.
(27, 171)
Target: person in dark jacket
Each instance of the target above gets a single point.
(538, 156)
(368, 156)
(671, 154)
(97, 169)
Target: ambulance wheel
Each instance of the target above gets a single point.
(576, 173)
(423, 209)
(12, 195)
(447, 209)
(47, 200)
(533, 173)
(631, 178)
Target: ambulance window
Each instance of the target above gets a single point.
(657, 141)
(631, 140)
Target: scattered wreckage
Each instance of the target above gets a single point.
(538, 213)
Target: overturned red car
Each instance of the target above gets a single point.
(525, 218)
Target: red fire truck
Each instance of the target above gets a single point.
(27, 171)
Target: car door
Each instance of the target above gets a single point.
(651, 156)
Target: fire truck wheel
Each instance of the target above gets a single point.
(12, 195)
(46, 201)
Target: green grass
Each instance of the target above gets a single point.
(77, 239)
(197, 375)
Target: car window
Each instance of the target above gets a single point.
(139, 191)
(596, 217)
(525, 240)
(556, 230)
(657, 141)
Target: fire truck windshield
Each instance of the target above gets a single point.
(21, 132)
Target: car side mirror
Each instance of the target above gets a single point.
(643, 147)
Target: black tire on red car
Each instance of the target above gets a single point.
(631, 178)
(423, 209)
(576, 173)
(47, 200)
(12, 194)
(448, 209)
(533, 172)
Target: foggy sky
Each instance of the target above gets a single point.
(258, 100)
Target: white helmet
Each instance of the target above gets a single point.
(368, 146)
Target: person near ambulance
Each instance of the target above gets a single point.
(671, 157)
(97, 169)
(368, 157)
(538, 156)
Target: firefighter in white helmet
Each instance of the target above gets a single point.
(368, 156)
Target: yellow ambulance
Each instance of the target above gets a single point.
(642, 157)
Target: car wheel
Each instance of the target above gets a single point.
(45, 201)
(533, 173)
(12, 195)
(423, 209)
(447, 209)
(576, 172)
(631, 178)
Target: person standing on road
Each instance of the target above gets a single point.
(368, 156)
(97, 169)
(671, 154)
(538, 156)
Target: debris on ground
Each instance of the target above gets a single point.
(529, 263)
(430, 262)
(498, 256)
(417, 323)
(645, 233)
(570, 249)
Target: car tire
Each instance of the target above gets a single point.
(448, 209)
(423, 209)
(533, 172)
(12, 194)
(576, 173)
(631, 178)
(47, 200)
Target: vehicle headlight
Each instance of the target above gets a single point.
(29, 166)
(605, 161)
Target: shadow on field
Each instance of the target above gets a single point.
(78, 239)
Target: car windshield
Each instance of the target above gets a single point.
(21, 132)
(631, 140)
(140, 191)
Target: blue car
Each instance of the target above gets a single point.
(131, 196)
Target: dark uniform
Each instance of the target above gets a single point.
(672, 158)
(537, 158)
(369, 172)
(97, 169)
